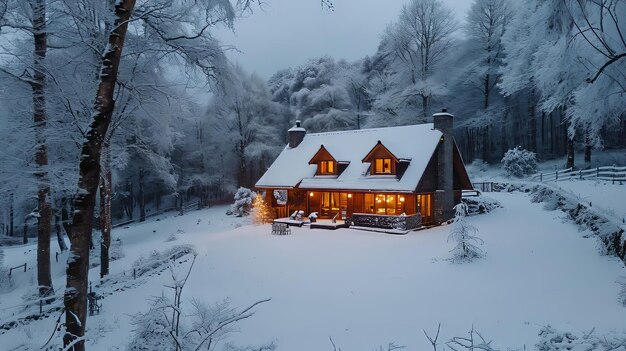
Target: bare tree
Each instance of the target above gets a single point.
(486, 22)
(433, 340)
(30, 18)
(419, 41)
(38, 85)
(600, 28)
(77, 267)
(166, 326)
(473, 342)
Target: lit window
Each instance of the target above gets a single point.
(382, 166)
(327, 167)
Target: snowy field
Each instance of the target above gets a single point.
(365, 289)
(604, 196)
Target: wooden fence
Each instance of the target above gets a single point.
(614, 174)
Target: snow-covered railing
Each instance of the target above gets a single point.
(609, 173)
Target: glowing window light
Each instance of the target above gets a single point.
(349, 195)
(401, 198)
(311, 194)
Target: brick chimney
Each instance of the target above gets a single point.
(444, 196)
(296, 134)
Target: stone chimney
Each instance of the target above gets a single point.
(444, 196)
(296, 134)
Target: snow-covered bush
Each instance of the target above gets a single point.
(518, 162)
(480, 204)
(463, 234)
(261, 211)
(243, 202)
(554, 340)
(170, 325)
(152, 329)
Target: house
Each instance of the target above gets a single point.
(396, 177)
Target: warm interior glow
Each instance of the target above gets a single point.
(327, 167)
(349, 195)
(382, 166)
(311, 194)
(402, 199)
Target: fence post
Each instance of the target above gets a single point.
(597, 172)
(134, 273)
(556, 175)
(541, 177)
(40, 307)
(25, 266)
(613, 180)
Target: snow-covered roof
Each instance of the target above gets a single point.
(415, 143)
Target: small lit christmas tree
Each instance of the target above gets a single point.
(261, 211)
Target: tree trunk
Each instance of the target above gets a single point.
(11, 216)
(75, 298)
(570, 152)
(532, 121)
(587, 150)
(25, 234)
(105, 219)
(65, 218)
(38, 86)
(424, 109)
(241, 155)
(486, 144)
(142, 198)
(486, 90)
(57, 227)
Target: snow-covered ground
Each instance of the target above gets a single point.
(366, 289)
(605, 196)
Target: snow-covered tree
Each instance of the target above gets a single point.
(249, 126)
(518, 162)
(416, 44)
(486, 23)
(244, 198)
(464, 236)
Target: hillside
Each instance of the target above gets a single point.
(362, 289)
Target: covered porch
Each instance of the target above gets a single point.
(342, 204)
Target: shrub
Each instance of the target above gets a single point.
(518, 162)
(243, 202)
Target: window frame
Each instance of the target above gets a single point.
(382, 171)
(327, 167)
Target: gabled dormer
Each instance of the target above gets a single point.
(382, 161)
(326, 163)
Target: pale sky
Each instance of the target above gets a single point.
(288, 32)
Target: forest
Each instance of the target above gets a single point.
(99, 122)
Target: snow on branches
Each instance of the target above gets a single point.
(464, 235)
(243, 202)
(518, 162)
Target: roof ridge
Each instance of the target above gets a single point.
(366, 130)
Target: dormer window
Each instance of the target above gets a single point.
(326, 163)
(382, 166)
(382, 161)
(326, 167)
